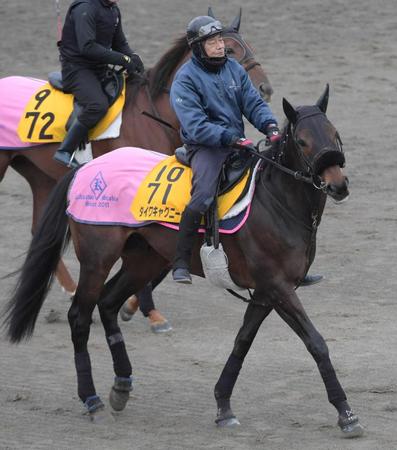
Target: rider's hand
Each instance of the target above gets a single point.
(273, 133)
(136, 59)
(133, 64)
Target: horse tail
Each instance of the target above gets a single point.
(35, 276)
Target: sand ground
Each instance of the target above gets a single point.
(279, 397)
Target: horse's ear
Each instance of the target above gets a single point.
(210, 13)
(289, 111)
(322, 102)
(235, 25)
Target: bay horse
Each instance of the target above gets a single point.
(270, 254)
(150, 94)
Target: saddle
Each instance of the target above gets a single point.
(112, 85)
(233, 170)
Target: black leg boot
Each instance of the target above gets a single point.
(190, 223)
(76, 134)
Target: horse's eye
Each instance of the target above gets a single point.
(301, 142)
(229, 51)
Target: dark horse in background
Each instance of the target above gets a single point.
(150, 94)
(271, 254)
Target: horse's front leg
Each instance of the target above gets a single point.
(254, 316)
(289, 307)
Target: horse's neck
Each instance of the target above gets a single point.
(139, 130)
(146, 132)
(301, 201)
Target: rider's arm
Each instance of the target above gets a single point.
(196, 127)
(120, 43)
(85, 26)
(255, 109)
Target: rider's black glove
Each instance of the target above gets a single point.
(133, 64)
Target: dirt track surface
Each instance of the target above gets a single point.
(279, 397)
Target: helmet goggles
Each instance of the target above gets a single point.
(210, 29)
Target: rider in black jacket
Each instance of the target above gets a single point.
(92, 38)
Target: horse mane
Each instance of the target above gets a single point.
(158, 76)
(161, 72)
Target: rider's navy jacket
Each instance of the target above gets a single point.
(92, 34)
(210, 105)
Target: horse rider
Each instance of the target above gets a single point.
(92, 38)
(210, 95)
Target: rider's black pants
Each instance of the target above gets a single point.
(86, 86)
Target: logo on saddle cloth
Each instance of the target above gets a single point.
(47, 112)
(165, 192)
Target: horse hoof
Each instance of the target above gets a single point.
(101, 417)
(53, 316)
(68, 292)
(228, 422)
(118, 399)
(225, 416)
(129, 308)
(120, 393)
(125, 315)
(161, 327)
(350, 427)
(95, 410)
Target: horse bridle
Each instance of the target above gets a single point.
(308, 176)
(248, 54)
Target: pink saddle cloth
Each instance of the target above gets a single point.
(15, 93)
(102, 190)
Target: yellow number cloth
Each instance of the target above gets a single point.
(47, 112)
(165, 192)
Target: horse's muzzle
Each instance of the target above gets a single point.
(265, 91)
(339, 192)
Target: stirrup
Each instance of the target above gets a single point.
(65, 159)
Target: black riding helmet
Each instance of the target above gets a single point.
(200, 29)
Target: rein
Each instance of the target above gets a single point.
(155, 115)
(298, 175)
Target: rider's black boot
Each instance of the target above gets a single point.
(76, 134)
(190, 223)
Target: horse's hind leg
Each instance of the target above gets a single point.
(88, 291)
(116, 290)
(293, 313)
(131, 278)
(253, 319)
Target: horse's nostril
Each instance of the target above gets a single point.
(338, 192)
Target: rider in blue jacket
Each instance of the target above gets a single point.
(210, 95)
